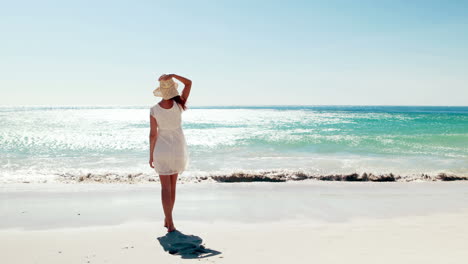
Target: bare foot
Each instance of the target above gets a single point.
(171, 229)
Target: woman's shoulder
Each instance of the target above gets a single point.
(154, 109)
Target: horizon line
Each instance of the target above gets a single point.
(266, 105)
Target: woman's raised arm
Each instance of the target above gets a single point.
(187, 86)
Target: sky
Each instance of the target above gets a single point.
(235, 52)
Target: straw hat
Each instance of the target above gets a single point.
(167, 89)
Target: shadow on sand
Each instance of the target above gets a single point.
(187, 246)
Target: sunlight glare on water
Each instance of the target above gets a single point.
(47, 141)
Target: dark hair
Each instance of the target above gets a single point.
(180, 101)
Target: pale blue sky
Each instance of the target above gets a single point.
(236, 52)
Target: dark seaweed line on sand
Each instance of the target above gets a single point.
(354, 177)
(263, 176)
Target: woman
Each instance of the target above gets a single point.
(168, 149)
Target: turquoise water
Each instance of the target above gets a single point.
(43, 143)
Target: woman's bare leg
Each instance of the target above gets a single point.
(166, 198)
(173, 189)
(173, 194)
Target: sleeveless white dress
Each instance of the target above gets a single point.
(170, 154)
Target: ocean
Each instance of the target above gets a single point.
(110, 144)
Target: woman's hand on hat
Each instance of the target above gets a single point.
(165, 77)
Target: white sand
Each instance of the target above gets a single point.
(415, 223)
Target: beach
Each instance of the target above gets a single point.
(265, 184)
(305, 222)
(315, 132)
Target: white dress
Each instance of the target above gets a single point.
(170, 154)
